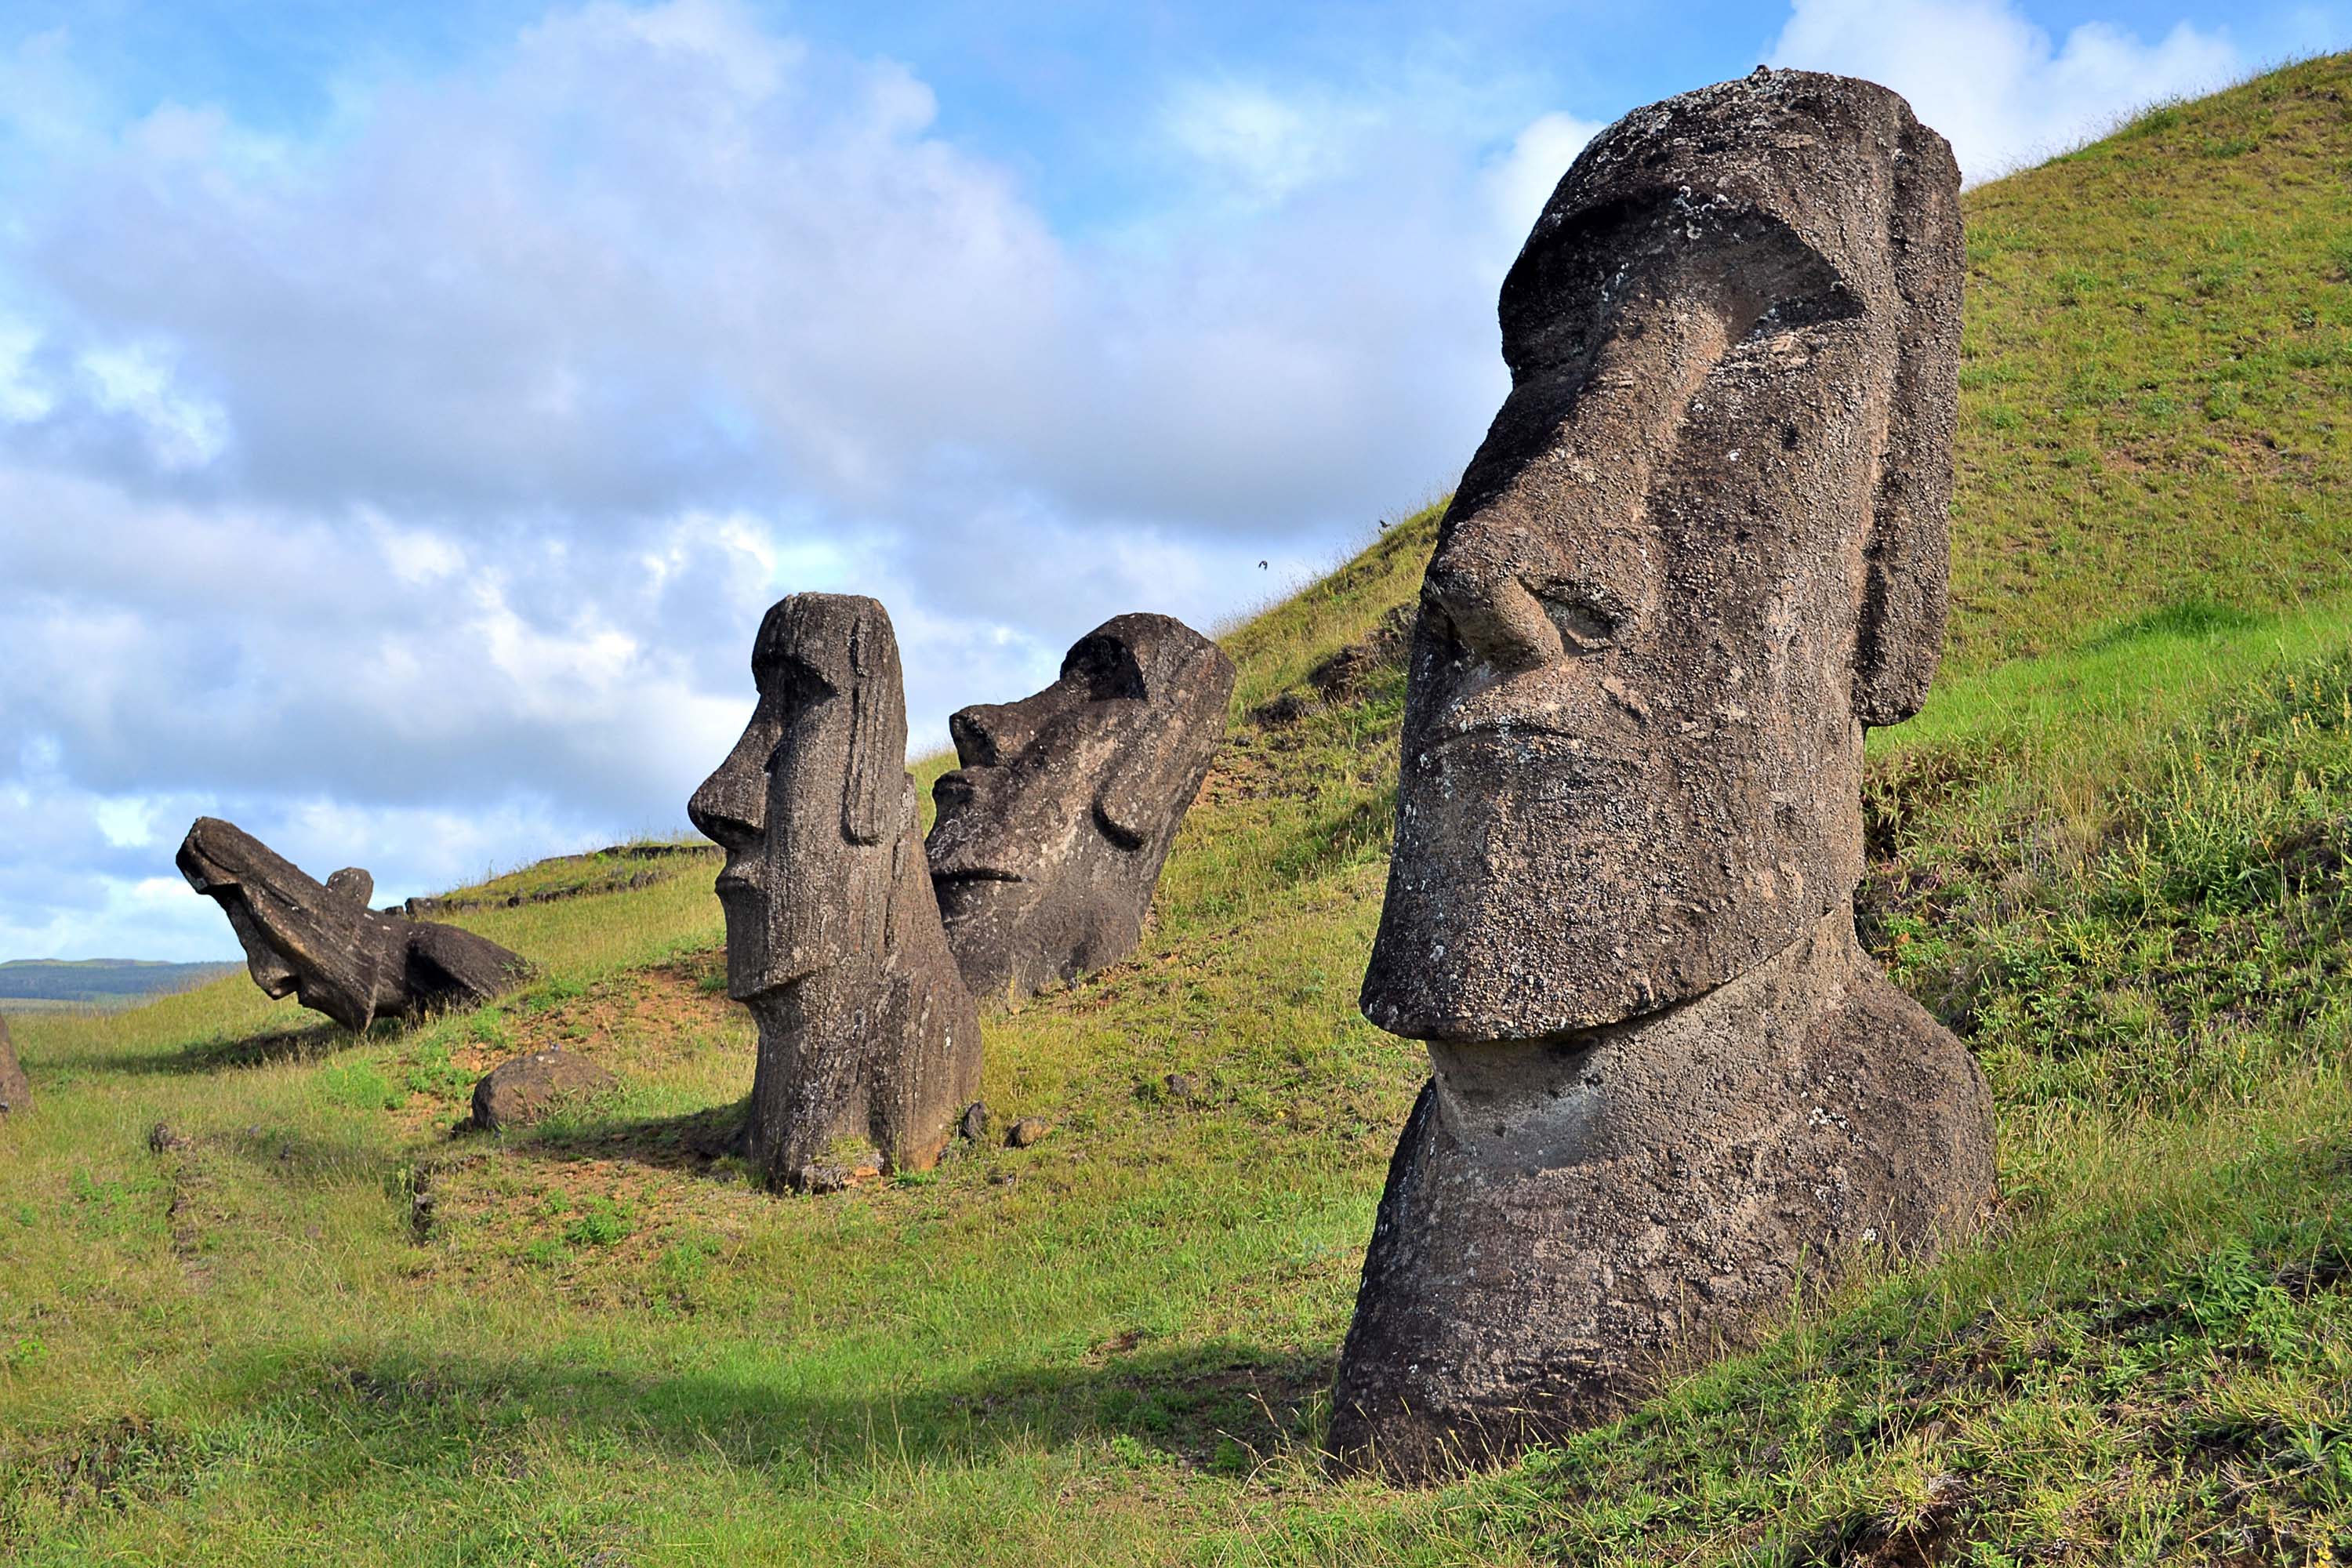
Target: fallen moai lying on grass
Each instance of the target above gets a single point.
(867, 1036)
(1702, 545)
(1051, 836)
(320, 941)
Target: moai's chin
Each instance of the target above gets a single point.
(1564, 1220)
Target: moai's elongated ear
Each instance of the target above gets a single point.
(877, 731)
(1906, 564)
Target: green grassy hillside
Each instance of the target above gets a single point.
(2111, 854)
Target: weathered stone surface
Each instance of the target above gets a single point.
(867, 1034)
(16, 1088)
(1702, 545)
(1050, 837)
(1026, 1131)
(974, 1125)
(320, 941)
(522, 1091)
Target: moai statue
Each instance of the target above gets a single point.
(15, 1089)
(1704, 544)
(1050, 837)
(867, 1037)
(320, 941)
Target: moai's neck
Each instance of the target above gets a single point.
(1683, 1076)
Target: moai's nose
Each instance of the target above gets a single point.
(988, 733)
(1478, 583)
(731, 808)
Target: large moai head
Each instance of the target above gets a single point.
(1051, 836)
(810, 804)
(1702, 546)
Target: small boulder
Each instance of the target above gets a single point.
(818, 1180)
(1181, 1087)
(521, 1091)
(15, 1089)
(974, 1125)
(1027, 1130)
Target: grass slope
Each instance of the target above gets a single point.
(2111, 854)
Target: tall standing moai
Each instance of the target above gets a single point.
(1051, 836)
(868, 1041)
(1704, 545)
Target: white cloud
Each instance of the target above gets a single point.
(1520, 182)
(2001, 91)
(181, 430)
(410, 492)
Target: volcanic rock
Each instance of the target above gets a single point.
(16, 1088)
(1702, 545)
(1050, 837)
(320, 941)
(833, 940)
(524, 1090)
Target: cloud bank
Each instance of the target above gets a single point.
(410, 492)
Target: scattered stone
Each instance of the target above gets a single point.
(320, 941)
(834, 938)
(974, 1125)
(820, 1179)
(1702, 545)
(163, 1138)
(1051, 835)
(1182, 1085)
(16, 1088)
(1026, 1131)
(524, 1089)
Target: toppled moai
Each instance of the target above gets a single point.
(1051, 836)
(15, 1089)
(1704, 544)
(320, 941)
(867, 1034)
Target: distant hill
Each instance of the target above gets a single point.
(30, 985)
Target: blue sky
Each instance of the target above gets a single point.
(405, 413)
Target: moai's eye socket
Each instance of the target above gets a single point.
(800, 684)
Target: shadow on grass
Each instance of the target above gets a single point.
(313, 1042)
(1220, 1407)
(692, 1142)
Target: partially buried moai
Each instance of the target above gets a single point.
(868, 1042)
(1051, 836)
(321, 943)
(1704, 544)
(15, 1090)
